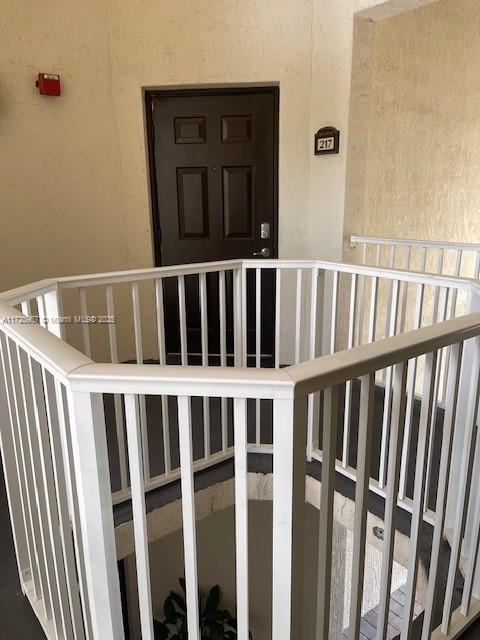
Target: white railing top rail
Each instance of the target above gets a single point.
(58, 357)
(188, 380)
(438, 280)
(437, 244)
(135, 275)
(29, 291)
(35, 289)
(299, 379)
(334, 369)
(387, 273)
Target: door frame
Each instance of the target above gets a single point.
(150, 95)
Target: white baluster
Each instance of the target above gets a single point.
(162, 358)
(204, 337)
(241, 516)
(188, 514)
(365, 432)
(325, 534)
(112, 336)
(135, 458)
(394, 453)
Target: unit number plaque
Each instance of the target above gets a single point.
(327, 140)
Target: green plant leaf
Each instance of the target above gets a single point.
(232, 622)
(215, 623)
(178, 600)
(160, 630)
(212, 601)
(215, 629)
(183, 628)
(222, 615)
(170, 611)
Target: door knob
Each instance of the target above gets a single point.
(265, 252)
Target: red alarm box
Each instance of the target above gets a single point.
(49, 84)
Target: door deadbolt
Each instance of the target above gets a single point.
(265, 230)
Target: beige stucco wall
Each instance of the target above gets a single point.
(59, 190)
(414, 163)
(73, 174)
(192, 43)
(73, 180)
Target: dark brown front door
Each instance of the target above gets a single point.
(215, 173)
(213, 170)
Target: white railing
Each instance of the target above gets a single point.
(427, 256)
(306, 299)
(306, 347)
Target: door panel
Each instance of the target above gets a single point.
(237, 202)
(192, 206)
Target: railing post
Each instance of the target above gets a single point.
(289, 469)
(470, 549)
(89, 449)
(463, 491)
(473, 306)
(53, 312)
